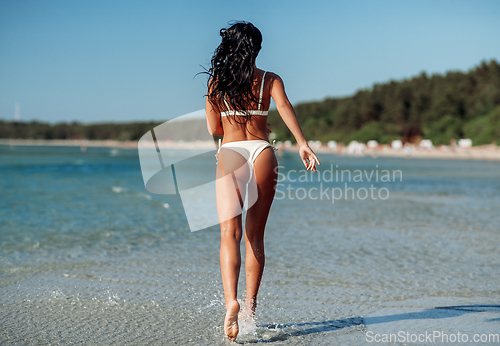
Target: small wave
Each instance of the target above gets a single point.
(145, 195)
(118, 189)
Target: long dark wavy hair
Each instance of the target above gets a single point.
(232, 67)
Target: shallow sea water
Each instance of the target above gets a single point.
(88, 256)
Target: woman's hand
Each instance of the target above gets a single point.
(308, 157)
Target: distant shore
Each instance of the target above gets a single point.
(484, 152)
(69, 143)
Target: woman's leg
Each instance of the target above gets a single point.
(265, 168)
(230, 263)
(232, 174)
(231, 232)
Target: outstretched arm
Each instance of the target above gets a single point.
(287, 113)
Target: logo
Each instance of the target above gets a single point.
(180, 157)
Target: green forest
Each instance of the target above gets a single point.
(437, 107)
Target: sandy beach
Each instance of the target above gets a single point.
(484, 152)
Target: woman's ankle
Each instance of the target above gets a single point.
(231, 303)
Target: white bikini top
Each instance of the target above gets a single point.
(251, 112)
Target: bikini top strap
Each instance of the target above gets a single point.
(260, 95)
(261, 89)
(227, 105)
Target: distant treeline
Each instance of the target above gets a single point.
(438, 107)
(39, 130)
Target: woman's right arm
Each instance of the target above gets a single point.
(214, 124)
(287, 113)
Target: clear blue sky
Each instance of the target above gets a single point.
(95, 61)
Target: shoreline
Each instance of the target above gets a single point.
(484, 152)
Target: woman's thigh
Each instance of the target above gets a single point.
(232, 174)
(265, 174)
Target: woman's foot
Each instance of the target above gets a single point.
(231, 321)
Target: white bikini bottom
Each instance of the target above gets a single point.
(250, 150)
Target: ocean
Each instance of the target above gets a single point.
(89, 256)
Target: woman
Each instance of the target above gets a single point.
(238, 99)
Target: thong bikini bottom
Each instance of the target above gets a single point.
(250, 150)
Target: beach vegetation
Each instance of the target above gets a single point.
(439, 107)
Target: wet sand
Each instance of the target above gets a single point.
(90, 257)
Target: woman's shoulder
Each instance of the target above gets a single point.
(272, 75)
(273, 79)
(269, 74)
